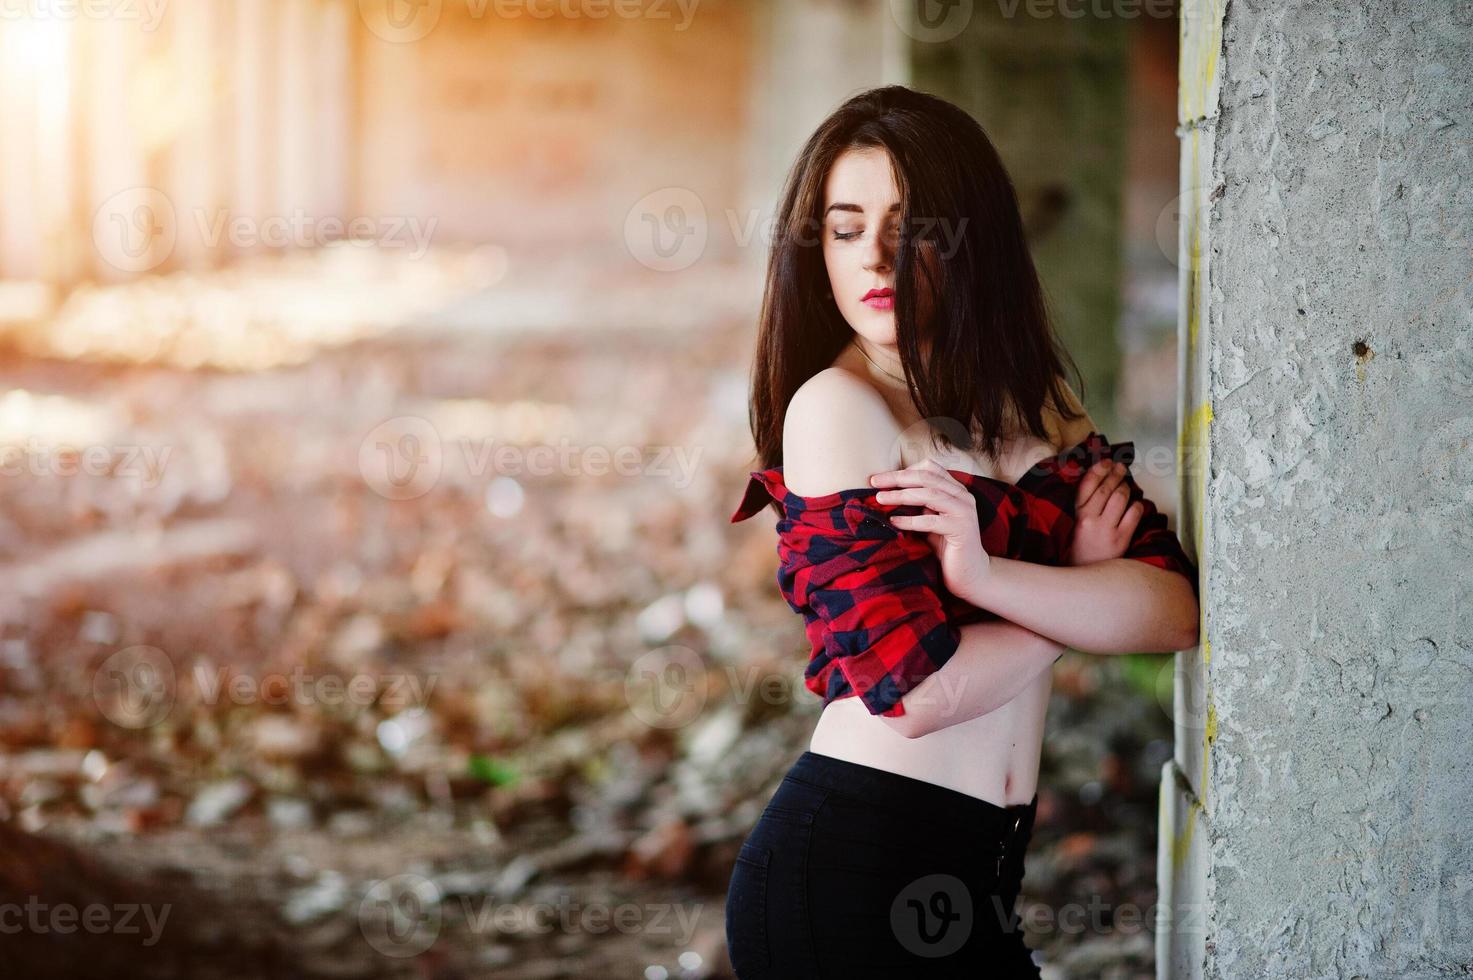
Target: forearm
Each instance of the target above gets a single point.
(1120, 605)
(995, 661)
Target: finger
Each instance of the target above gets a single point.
(1133, 515)
(959, 496)
(932, 497)
(920, 476)
(1114, 474)
(1094, 477)
(944, 526)
(926, 468)
(935, 523)
(1115, 505)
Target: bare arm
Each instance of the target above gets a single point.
(993, 664)
(1115, 606)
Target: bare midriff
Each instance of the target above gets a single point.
(993, 757)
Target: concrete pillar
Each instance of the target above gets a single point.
(1315, 816)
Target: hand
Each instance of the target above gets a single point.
(1103, 523)
(951, 524)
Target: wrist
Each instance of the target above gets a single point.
(983, 589)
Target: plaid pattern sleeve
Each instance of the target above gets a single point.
(872, 594)
(877, 613)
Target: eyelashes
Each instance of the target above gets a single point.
(843, 237)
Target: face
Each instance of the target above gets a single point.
(861, 226)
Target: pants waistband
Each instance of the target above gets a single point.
(939, 803)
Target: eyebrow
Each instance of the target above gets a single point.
(845, 206)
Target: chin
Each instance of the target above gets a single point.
(877, 328)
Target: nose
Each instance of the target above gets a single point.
(880, 255)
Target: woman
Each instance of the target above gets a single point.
(949, 522)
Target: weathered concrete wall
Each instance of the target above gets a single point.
(1318, 805)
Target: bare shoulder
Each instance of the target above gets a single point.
(1068, 433)
(838, 431)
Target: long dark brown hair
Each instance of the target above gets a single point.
(994, 360)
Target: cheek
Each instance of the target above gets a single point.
(833, 261)
(841, 279)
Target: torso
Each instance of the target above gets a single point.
(995, 756)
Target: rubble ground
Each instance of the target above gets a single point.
(254, 650)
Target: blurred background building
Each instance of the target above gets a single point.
(557, 147)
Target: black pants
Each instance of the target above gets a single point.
(852, 871)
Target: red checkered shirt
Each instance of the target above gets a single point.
(872, 596)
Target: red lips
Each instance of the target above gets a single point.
(877, 292)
